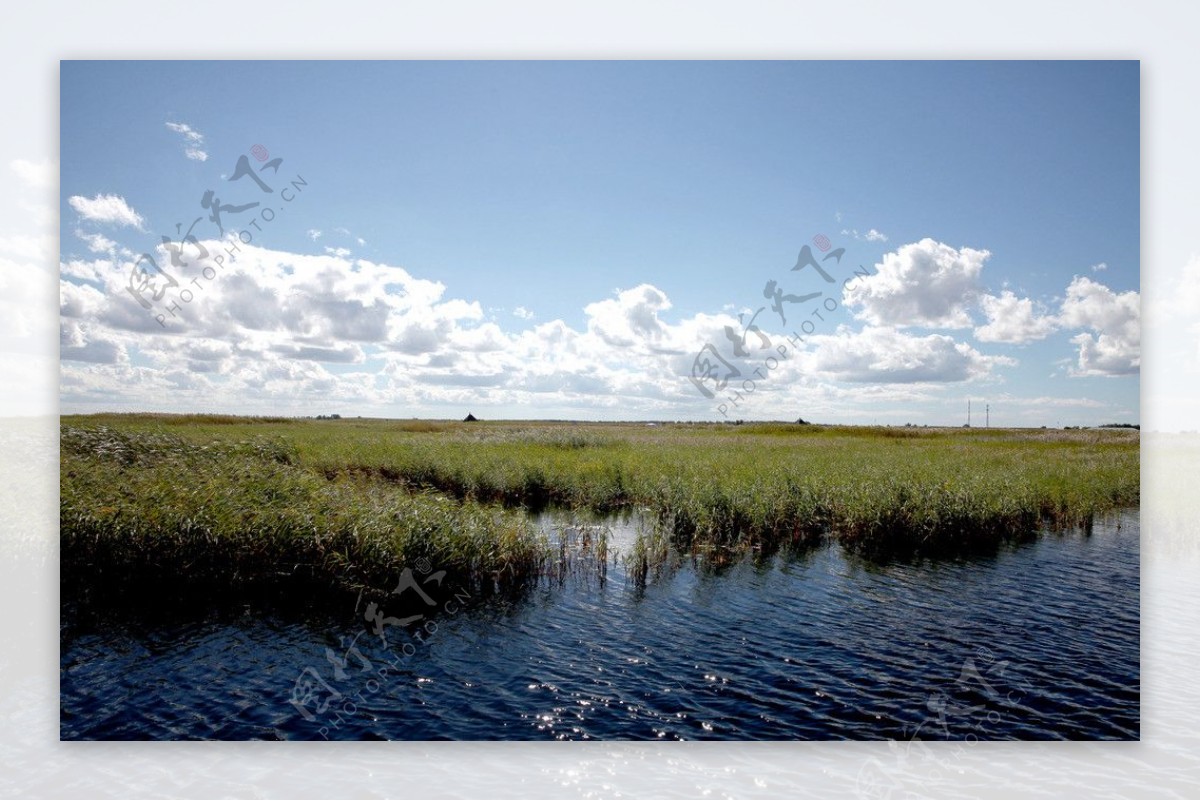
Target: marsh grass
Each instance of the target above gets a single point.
(651, 556)
(347, 501)
(579, 551)
(168, 514)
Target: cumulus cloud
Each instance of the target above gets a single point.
(351, 354)
(284, 332)
(1101, 267)
(1104, 355)
(1013, 320)
(629, 319)
(109, 209)
(925, 284)
(421, 336)
(79, 300)
(1112, 346)
(193, 141)
(885, 355)
(932, 285)
(76, 344)
(486, 338)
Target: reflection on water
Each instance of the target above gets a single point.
(1039, 641)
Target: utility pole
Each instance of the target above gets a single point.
(987, 415)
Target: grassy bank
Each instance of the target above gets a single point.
(171, 514)
(257, 497)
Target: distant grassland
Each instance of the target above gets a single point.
(349, 502)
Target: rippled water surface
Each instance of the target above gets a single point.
(1039, 641)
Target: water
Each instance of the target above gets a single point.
(1039, 641)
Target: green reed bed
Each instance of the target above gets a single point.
(345, 492)
(170, 513)
(762, 486)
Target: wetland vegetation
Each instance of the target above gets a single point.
(181, 502)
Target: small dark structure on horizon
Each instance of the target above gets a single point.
(470, 418)
(800, 421)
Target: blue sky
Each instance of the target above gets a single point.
(560, 239)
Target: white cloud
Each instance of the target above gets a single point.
(1113, 345)
(289, 325)
(416, 337)
(1090, 304)
(299, 333)
(885, 355)
(629, 319)
(189, 133)
(1101, 267)
(110, 209)
(1103, 355)
(485, 338)
(314, 234)
(193, 140)
(97, 243)
(1013, 320)
(1044, 401)
(77, 345)
(81, 302)
(339, 252)
(35, 174)
(342, 354)
(870, 236)
(925, 284)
